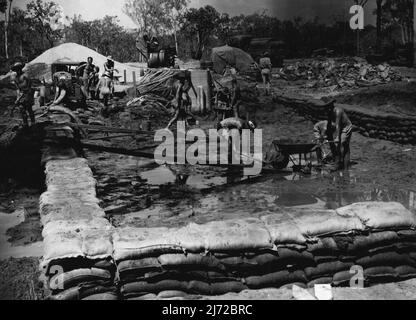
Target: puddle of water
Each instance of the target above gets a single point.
(189, 176)
(7, 250)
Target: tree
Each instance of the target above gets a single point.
(171, 11)
(48, 16)
(156, 17)
(400, 13)
(201, 22)
(379, 13)
(5, 7)
(361, 3)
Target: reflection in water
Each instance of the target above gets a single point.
(7, 250)
(230, 194)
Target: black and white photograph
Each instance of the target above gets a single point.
(213, 152)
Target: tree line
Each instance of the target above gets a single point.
(41, 25)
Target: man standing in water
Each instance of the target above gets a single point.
(341, 130)
(24, 93)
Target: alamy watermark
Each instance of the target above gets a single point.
(224, 147)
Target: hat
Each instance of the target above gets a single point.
(17, 66)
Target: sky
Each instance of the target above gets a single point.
(283, 9)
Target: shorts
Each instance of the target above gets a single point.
(345, 134)
(86, 82)
(265, 73)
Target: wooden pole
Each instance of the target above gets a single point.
(134, 84)
(414, 33)
(125, 76)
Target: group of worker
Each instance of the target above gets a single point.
(93, 86)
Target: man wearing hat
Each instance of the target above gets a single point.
(24, 93)
(109, 67)
(105, 87)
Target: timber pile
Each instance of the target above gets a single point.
(158, 82)
(340, 72)
(150, 107)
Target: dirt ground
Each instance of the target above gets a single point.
(135, 191)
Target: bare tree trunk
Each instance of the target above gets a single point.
(176, 42)
(6, 26)
(414, 33)
(379, 13)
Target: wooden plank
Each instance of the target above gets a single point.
(91, 127)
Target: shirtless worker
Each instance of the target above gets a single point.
(342, 134)
(88, 72)
(266, 71)
(61, 93)
(24, 92)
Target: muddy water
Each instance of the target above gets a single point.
(199, 194)
(16, 249)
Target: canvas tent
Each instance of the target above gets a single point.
(239, 59)
(40, 68)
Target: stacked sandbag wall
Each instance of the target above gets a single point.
(77, 261)
(303, 247)
(392, 127)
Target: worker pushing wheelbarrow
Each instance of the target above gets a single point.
(282, 152)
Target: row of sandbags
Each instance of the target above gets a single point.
(304, 247)
(77, 260)
(86, 258)
(384, 255)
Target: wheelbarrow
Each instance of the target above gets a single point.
(281, 153)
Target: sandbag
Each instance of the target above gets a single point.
(103, 296)
(380, 273)
(342, 278)
(324, 246)
(134, 243)
(283, 229)
(78, 211)
(385, 259)
(236, 235)
(62, 281)
(293, 257)
(406, 272)
(66, 241)
(223, 287)
(381, 215)
(171, 294)
(276, 279)
(327, 269)
(190, 261)
(80, 263)
(144, 287)
(138, 266)
(373, 240)
(190, 238)
(319, 223)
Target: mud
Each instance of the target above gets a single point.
(137, 192)
(176, 195)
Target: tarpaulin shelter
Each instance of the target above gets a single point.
(40, 67)
(237, 58)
